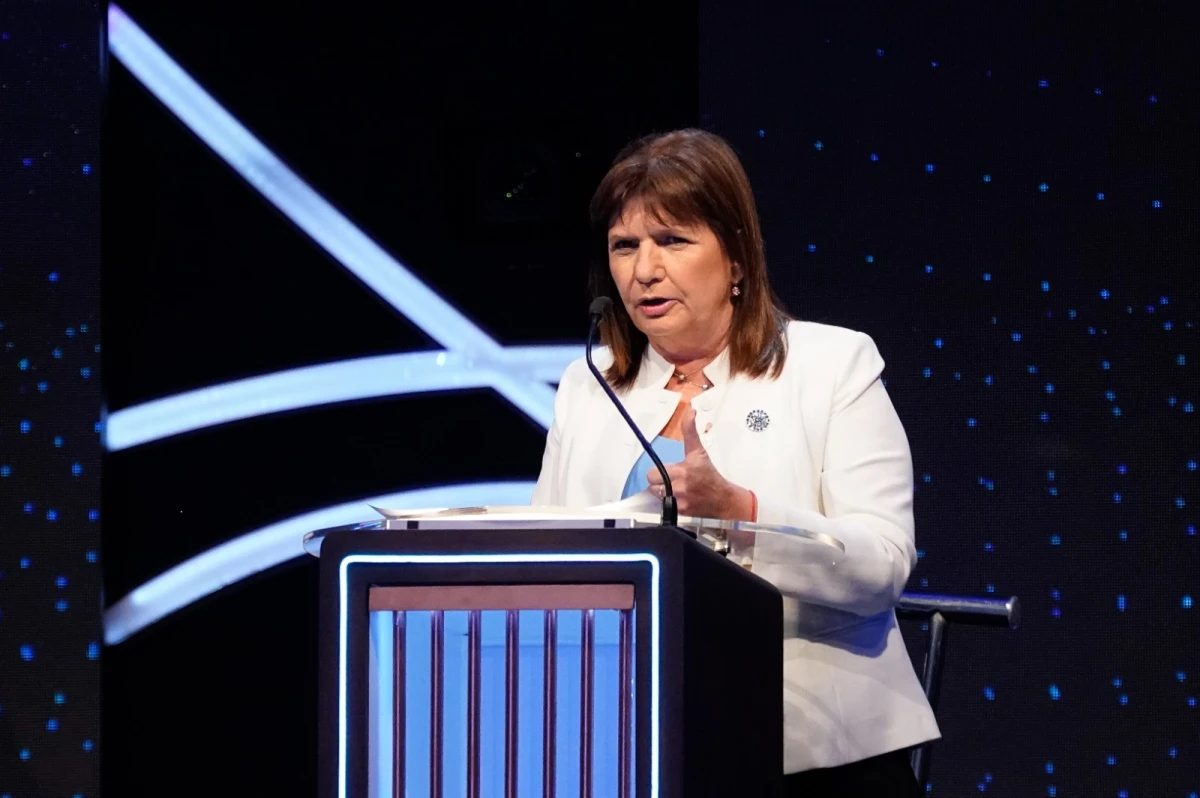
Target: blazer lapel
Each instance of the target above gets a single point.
(650, 410)
(648, 401)
(707, 404)
(651, 404)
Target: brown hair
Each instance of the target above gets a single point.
(690, 176)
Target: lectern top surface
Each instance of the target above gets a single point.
(718, 534)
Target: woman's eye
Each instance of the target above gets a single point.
(623, 244)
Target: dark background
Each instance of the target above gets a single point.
(49, 398)
(1012, 297)
(416, 128)
(1022, 247)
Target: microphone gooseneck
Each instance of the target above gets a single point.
(670, 510)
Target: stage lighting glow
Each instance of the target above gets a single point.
(473, 359)
(467, 559)
(317, 218)
(275, 544)
(328, 383)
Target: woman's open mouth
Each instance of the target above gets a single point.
(655, 306)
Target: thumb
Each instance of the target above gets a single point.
(691, 438)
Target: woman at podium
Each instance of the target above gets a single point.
(760, 418)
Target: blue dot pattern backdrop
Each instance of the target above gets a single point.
(50, 400)
(1005, 197)
(1001, 198)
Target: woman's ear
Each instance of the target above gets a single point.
(736, 273)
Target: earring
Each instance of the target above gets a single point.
(736, 291)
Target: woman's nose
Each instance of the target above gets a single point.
(647, 267)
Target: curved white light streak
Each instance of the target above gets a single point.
(311, 386)
(275, 544)
(316, 217)
(519, 374)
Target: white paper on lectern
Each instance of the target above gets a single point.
(642, 506)
(643, 503)
(770, 547)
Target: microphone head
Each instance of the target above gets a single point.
(599, 306)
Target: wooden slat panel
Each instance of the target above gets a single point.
(502, 597)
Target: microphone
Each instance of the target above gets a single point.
(670, 511)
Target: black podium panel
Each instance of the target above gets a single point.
(701, 651)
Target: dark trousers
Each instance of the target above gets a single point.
(885, 776)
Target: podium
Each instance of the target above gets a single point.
(471, 653)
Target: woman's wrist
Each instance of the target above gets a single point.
(743, 505)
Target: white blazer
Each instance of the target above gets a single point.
(832, 458)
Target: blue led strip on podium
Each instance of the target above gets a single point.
(564, 640)
(418, 648)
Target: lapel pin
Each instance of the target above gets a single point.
(757, 420)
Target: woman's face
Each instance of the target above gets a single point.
(675, 281)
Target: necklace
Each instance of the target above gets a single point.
(686, 378)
